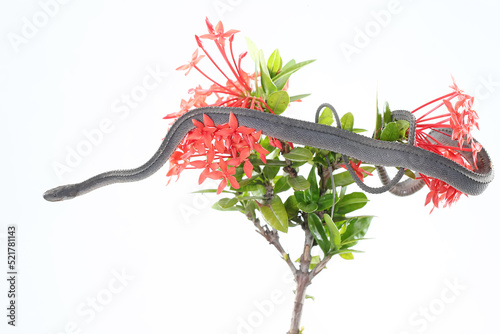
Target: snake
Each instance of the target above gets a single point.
(335, 139)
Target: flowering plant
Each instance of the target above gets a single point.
(263, 177)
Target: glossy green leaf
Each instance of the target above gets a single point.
(347, 121)
(356, 229)
(387, 114)
(253, 50)
(351, 202)
(347, 256)
(326, 117)
(267, 82)
(307, 207)
(390, 132)
(216, 206)
(203, 191)
(270, 171)
(299, 154)
(275, 214)
(282, 77)
(274, 63)
(335, 240)
(298, 183)
(278, 101)
(281, 184)
(357, 130)
(226, 203)
(291, 207)
(298, 97)
(312, 192)
(299, 195)
(325, 202)
(403, 127)
(318, 232)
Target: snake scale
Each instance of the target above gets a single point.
(335, 139)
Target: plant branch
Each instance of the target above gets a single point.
(273, 238)
(303, 280)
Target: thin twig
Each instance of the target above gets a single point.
(273, 238)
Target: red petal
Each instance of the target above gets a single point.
(233, 121)
(221, 186)
(208, 121)
(248, 168)
(233, 182)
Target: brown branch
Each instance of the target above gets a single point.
(303, 280)
(273, 238)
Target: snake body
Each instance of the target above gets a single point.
(368, 150)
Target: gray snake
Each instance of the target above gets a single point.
(335, 139)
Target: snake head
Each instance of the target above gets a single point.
(61, 193)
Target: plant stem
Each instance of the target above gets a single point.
(303, 280)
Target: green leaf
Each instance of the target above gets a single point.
(356, 229)
(253, 50)
(326, 117)
(318, 232)
(226, 203)
(410, 174)
(281, 184)
(347, 121)
(267, 82)
(291, 207)
(387, 114)
(298, 97)
(216, 206)
(290, 68)
(270, 171)
(347, 256)
(390, 132)
(298, 183)
(307, 207)
(275, 214)
(278, 101)
(356, 130)
(299, 154)
(351, 202)
(335, 241)
(274, 63)
(344, 179)
(203, 191)
(299, 195)
(325, 202)
(403, 126)
(312, 192)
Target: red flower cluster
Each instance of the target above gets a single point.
(218, 150)
(214, 148)
(237, 91)
(454, 111)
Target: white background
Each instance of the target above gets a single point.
(191, 269)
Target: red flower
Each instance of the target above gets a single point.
(194, 60)
(359, 171)
(218, 34)
(454, 111)
(226, 174)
